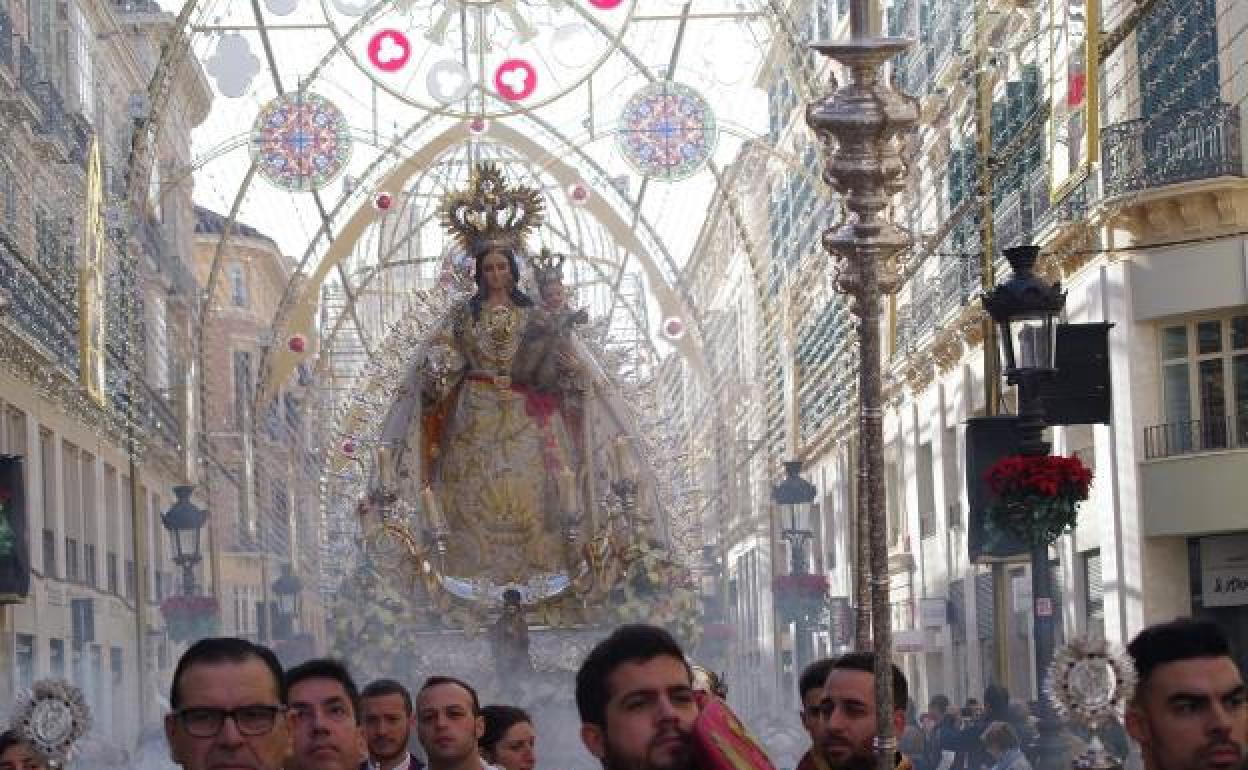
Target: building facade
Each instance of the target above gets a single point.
(94, 334)
(1114, 140)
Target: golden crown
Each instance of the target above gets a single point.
(547, 266)
(491, 212)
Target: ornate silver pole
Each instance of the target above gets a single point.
(861, 122)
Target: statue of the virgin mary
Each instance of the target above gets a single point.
(485, 430)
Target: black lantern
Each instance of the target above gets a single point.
(184, 520)
(794, 495)
(287, 588)
(1025, 309)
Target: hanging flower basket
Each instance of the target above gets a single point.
(801, 598)
(191, 617)
(1036, 497)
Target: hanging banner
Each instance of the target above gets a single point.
(14, 549)
(1074, 125)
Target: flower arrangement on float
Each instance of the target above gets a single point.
(1035, 497)
(191, 617)
(801, 598)
(657, 590)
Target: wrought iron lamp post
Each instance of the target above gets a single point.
(795, 495)
(862, 122)
(287, 589)
(184, 520)
(1025, 310)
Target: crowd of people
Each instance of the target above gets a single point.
(641, 708)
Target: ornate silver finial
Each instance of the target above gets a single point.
(1089, 683)
(52, 717)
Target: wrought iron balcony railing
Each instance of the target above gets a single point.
(1179, 438)
(37, 311)
(1172, 148)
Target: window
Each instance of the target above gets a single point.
(8, 189)
(49, 554)
(24, 658)
(926, 488)
(72, 572)
(132, 579)
(117, 665)
(1204, 368)
(112, 573)
(56, 658)
(1093, 593)
(89, 574)
(238, 284)
(242, 385)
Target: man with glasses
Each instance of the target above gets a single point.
(325, 707)
(227, 708)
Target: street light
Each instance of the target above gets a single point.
(287, 589)
(1025, 309)
(184, 520)
(795, 496)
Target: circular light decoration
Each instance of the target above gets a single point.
(348, 447)
(389, 50)
(560, 43)
(667, 131)
(578, 193)
(515, 80)
(353, 7)
(52, 717)
(297, 343)
(478, 126)
(448, 81)
(383, 201)
(673, 328)
(301, 141)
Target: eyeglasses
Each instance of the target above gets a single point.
(250, 720)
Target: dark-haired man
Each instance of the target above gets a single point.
(810, 690)
(635, 696)
(386, 710)
(847, 712)
(228, 707)
(449, 724)
(1189, 711)
(324, 704)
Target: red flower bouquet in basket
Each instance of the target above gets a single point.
(801, 597)
(1036, 496)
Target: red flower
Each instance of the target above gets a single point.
(1042, 475)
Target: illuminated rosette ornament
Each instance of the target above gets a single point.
(1089, 683)
(674, 328)
(579, 193)
(52, 717)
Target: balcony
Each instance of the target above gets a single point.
(1171, 149)
(37, 312)
(1204, 455)
(1179, 438)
